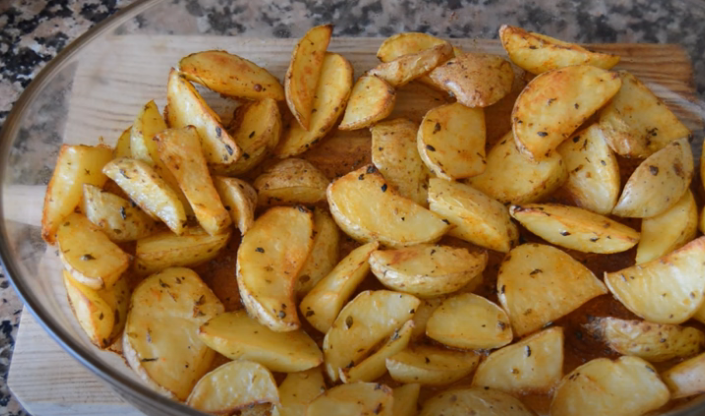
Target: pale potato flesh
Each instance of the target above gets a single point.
(324, 253)
(556, 103)
(366, 208)
(239, 199)
(468, 401)
(116, 216)
(148, 123)
(668, 290)
(298, 390)
(686, 378)
(538, 284)
(289, 182)
(372, 99)
(451, 141)
(122, 146)
(406, 399)
(669, 230)
(432, 366)
(353, 399)
(422, 315)
(406, 68)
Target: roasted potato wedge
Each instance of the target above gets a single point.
(231, 75)
(366, 209)
(477, 217)
(465, 401)
(353, 399)
(374, 366)
(148, 123)
(76, 165)
(122, 146)
(652, 342)
(291, 182)
(686, 378)
(269, 259)
(406, 399)
(366, 320)
(534, 289)
(427, 270)
(575, 228)
(475, 79)
(626, 386)
(593, 172)
(556, 103)
(431, 366)
(186, 107)
(324, 253)
(532, 365)
(669, 230)
(406, 68)
(423, 314)
(116, 216)
(239, 198)
(164, 249)
(180, 150)
(233, 386)
(298, 390)
(394, 154)
(160, 341)
(332, 94)
(471, 322)
(511, 177)
(101, 313)
(451, 141)
(668, 290)
(148, 190)
(88, 254)
(239, 337)
(658, 183)
(636, 123)
(406, 43)
(256, 128)
(539, 53)
(323, 303)
(372, 99)
(304, 72)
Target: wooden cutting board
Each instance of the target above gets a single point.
(113, 82)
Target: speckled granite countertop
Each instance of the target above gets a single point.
(32, 32)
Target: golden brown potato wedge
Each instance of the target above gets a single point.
(269, 259)
(451, 141)
(304, 72)
(232, 386)
(298, 390)
(116, 216)
(364, 322)
(469, 321)
(239, 337)
(101, 313)
(432, 366)
(186, 107)
(556, 103)
(148, 190)
(686, 378)
(475, 79)
(477, 217)
(668, 290)
(160, 341)
(636, 123)
(422, 315)
(539, 53)
(353, 399)
(165, 249)
(366, 208)
(394, 153)
(406, 398)
(239, 199)
(372, 99)
(626, 386)
(291, 182)
(593, 172)
(406, 68)
(427, 270)
(332, 94)
(180, 150)
(88, 254)
(510, 177)
(323, 303)
(231, 75)
(148, 123)
(532, 365)
(575, 228)
(324, 253)
(668, 231)
(534, 290)
(406, 43)
(461, 401)
(658, 183)
(76, 165)
(122, 146)
(652, 342)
